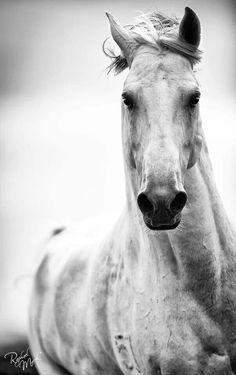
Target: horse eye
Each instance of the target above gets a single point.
(128, 101)
(194, 100)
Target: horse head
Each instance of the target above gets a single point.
(161, 122)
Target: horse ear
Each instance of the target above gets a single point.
(122, 38)
(195, 152)
(190, 28)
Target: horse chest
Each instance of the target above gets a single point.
(160, 323)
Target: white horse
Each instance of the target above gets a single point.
(158, 295)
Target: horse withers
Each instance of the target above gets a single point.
(157, 295)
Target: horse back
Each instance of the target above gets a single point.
(68, 306)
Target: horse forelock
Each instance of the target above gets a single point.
(159, 31)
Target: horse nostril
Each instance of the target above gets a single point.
(144, 204)
(178, 202)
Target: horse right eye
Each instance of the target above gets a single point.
(128, 101)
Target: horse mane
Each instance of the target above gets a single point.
(157, 30)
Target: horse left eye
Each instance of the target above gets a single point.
(194, 100)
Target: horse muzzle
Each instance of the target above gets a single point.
(161, 212)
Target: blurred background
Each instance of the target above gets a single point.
(60, 144)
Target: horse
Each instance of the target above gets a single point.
(157, 295)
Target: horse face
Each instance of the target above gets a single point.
(160, 118)
(160, 133)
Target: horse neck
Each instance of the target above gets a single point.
(197, 250)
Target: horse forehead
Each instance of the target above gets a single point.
(151, 67)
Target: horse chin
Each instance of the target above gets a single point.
(159, 227)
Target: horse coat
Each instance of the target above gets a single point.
(157, 294)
